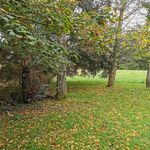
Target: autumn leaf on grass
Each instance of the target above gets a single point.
(74, 130)
(134, 134)
(1, 144)
(53, 143)
(9, 114)
(124, 130)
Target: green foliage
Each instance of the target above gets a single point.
(27, 28)
(135, 65)
(32, 36)
(90, 39)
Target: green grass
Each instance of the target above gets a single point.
(93, 117)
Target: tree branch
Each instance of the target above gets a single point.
(21, 17)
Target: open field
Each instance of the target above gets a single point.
(92, 117)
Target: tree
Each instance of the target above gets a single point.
(141, 43)
(90, 37)
(61, 85)
(123, 10)
(27, 31)
(147, 6)
(102, 37)
(143, 51)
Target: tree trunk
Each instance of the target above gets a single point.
(61, 85)
(113, 68)
(26, 81)
(112, 75)
(148, 77)
(26, 84)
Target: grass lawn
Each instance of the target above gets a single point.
(93, 117)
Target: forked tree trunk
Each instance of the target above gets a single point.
(112, 75)
(148, 77)
(61, 85)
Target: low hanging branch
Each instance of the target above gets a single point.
(21, 17)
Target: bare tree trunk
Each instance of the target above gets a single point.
(148, 77)
(112, 75)
(61, 85)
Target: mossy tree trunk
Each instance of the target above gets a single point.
(61, 85)
(113, 68)
(148, 77)
(112, 74)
